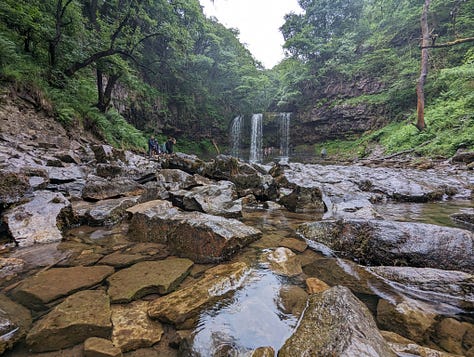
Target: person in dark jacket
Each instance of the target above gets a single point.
(152, 144)
(170, 145)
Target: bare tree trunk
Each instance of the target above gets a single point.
(420, 123)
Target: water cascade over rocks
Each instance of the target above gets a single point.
(219, 258)
(256, 138)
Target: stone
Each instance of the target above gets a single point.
(15, 321)
(98, 188)
(292, 300)
(186, 303)
(263, 352)
(38, 220)
(107, 153)
(314, 286)
(378, 242)
(294, 244)
(454, 336)
(82, 315)
(40, 289)
(13, 186)
(175, 179)
(336, 323)
(105, 212)
(200, 237)
(303, 199)
(145, 278)
(100, 347)
(132, 328)
(283, 262)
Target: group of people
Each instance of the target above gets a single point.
(154, 148)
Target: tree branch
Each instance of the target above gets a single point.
(452, 43)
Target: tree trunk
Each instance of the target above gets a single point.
(420, 123)
(105, 94)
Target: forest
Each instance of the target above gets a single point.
(126, 69)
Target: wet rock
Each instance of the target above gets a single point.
(13, 186)
(82, 315)
(69, 157)
(135, 254)
(349, 206)
(263, 352)
(15, 321)
(109, 170)
(188, 163)
(37, 291)
(410, 318)
(186, 303)
(133, 329)
(107, 153)
(446, 286)
(403, 346)
(303, 199)
(292, 300)
(61, 175)
(98, 188)
(217, 199)
(38, 220)
(10, 268)
(454, 336)
(283, 262)
(100, 347)
(335, 323)
(146, 278)
(377, 242)
(105, 212)
(294, 244)
(314, 286)
(465, 218)
(200, 237)
(175, 179)
(463, 156)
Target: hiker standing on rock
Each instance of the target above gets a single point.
(170, 144)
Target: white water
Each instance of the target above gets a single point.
(236, 133)
(256, 139)
(284, 119)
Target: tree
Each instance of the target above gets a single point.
(420, 123)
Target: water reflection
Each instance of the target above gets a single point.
(248, 320)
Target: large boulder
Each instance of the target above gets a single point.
(200, 237)
(98, 188)
(105, 212)
(15, 321)
(39, 290)
(39, 220)
(378, 242)
(186, 303)
(82, 315)
(336, 323)
(13, 186)
(145, 278)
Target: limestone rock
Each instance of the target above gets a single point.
(303, 199)
(335, 323)
(15, 321)
(82, 315)
(454, 336)
(38, 220)
(174, 179)
(105, 212)
(294, 244)
(284, 262)
(314, 286)
(198, 236)
(107, 154)
(145, 278)
(186, 303)
(292, 300)
(13, 186)
(98, 188)
(133, 329)
(263, 352)
(377, 242)
(100, 347)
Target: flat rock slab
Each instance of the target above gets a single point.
(37, 221)
(82, 315)
(133, 329)
(136, 253)
(378, 242)
(41, 289)
(146, 278)
(105, 212)
(15, 321)
(186, 303)
(98, 188)
(198, 236)
(336, 323)
(100, 347)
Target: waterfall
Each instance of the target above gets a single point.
(256, 138)
(284, 119)
(235, 133)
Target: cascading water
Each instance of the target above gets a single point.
(256, 138)
(236, 132)
(284, 119)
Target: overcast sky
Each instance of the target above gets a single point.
(258, 22)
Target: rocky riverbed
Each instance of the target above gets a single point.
(106, 252)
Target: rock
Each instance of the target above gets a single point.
(135, 254)
(284, 262)
(454, 336)
(15, 321)
(263, 352)
(13, 186)
(377, 242)
(303, 199)
(146, 278)
(109, 170)
(105, 212)
(404, 346)
(186, 303)
(465, 218)
(98, 188)
(200, 237)
(39, 290)
(175, 179)
(463, 156)
(410, 318)
(217, 199)
(294, 244)
(82, 315)
(38, 220)
(61, 175)
(106, 153)
(100, 347)
(314, 286)
(133, 329)
(188, 163)
(335, 323)
(292, 300)
(10, 268)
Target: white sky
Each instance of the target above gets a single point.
(258, 22)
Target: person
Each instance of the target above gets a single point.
(170, 144)
(324, 153)
(152, 144)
